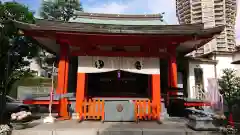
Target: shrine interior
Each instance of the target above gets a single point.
(118, 84)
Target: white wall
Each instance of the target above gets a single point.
(236, 57)
(224, 61)
(208, 72)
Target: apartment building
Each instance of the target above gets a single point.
(212, 13)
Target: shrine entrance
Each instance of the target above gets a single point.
(103, 48)
(118, 83)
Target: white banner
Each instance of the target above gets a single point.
(147, 65)
(94, 64)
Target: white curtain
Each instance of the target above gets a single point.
(148, 65)
(86, 64)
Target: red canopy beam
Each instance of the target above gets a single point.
(122, 40)
(115, 54)
(54, 34)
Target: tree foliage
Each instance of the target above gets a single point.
(15, 49)
(60, 9)
(230, 86)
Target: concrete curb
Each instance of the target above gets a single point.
(96, 131)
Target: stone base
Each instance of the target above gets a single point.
(172, 126)
(201, 123)
(164, 114)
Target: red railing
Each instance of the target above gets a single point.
(147, 110)
(91, 110)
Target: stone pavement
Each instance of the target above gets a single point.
(72, 127)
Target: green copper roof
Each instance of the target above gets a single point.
(118, 22)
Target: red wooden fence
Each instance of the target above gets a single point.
(91, 110)
(147, 110)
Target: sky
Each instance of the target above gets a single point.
(130, 7)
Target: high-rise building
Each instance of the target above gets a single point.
(212, 13)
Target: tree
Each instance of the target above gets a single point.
(15, 49)
(230, 87)
(60, 9)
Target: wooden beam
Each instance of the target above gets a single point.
(42, 34)
(123, 40)
(115, 54)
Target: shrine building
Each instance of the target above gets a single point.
(119, 67)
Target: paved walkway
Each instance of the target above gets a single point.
(173, 127)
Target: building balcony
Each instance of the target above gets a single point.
(231, 42)
(219, 9)
(220, 40)
(231, 37)
(197, 17)
(231, 45)
(196, 7)
(197, 21)
(194, 1)
(196, 12)
(185, 14)
(230, 2)
(221, 44)
(219, 23)
(223, 49)
(219, 17)
(196, 4)
(184, 10)
(230, 30)
(230, 34)
(221, 36)
(218, 3)
(184, 3)
(219, 13)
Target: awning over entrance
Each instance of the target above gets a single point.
(85, 38)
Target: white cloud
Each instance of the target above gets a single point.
(138, 6)
(107, 8)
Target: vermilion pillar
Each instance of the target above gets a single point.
(156, 92)
(63, 79)
(172, 68)
(80, 91)
(173, 72)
